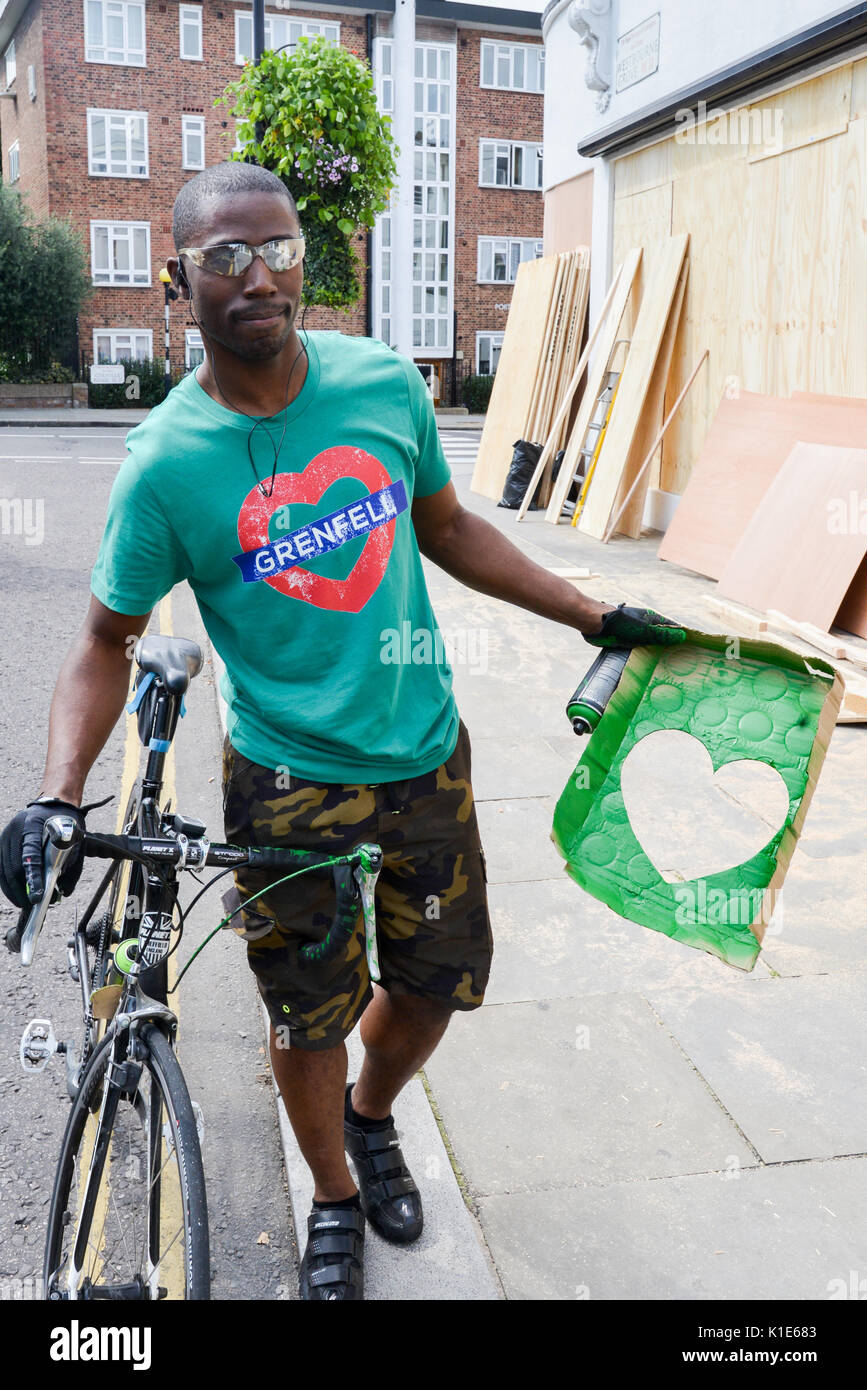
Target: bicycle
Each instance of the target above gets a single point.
(128, 1215)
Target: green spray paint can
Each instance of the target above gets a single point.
(587, 705)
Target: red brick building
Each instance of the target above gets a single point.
(109, 106)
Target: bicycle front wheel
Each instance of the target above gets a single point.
(128, 1217)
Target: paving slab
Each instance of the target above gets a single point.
(506, 768)
(553, 941)
(516, 836)
(448, 1261)
(787, 1058)
(795, 1232)
(568, 1091)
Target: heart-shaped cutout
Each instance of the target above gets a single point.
(690, 822)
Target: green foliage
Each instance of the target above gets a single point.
(476, 393)
(147, 387)
(327, 140)
(44, 281)
(34, 376)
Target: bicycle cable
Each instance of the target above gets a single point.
(328, 863)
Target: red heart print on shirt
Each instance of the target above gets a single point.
(347, 595)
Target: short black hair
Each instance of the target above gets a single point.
(212, 184)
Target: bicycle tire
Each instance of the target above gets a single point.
(130, 1268)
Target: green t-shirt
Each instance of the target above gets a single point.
(314, 597)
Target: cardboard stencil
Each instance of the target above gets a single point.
(765, 704)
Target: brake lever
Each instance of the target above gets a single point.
(60, 835)
(365, 873)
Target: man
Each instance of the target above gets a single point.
(328, 744)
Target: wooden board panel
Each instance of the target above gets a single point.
(711, 208)
(801, 115)
(531, 426)
(646, 340)
(858, 103)
(608, 335)
(847, 402)
(745, 447)
(649, 425)
(516, 373)
(852, 613)
(791, 557)
(645, 169)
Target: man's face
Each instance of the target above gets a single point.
(252, 315)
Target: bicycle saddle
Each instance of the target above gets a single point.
(173, 660)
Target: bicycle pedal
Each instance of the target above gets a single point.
(38, 1045)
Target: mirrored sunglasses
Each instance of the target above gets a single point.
(234, 257)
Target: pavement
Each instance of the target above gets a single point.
(632, 1118)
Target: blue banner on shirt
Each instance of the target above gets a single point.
(327, 534)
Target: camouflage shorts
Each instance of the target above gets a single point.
(433, 929)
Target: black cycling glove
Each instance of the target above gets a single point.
(21, 853)
(636, 627)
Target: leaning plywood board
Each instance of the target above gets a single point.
(744, 449)
(516, 374)
(559, 384)
(547, 346)
(608, 333)
(628, 521)
(791, 557)
(644, 348)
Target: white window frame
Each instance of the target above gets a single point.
(14, 162)
(511, 85)
(96, 52)
(127, 117)
(31, 81)
(187, 121)
(531, 148)
(10, 64)
(494, 333)
(190, 14)
(113, 334)
(506, 246)
(290, 31)
(192, 339)
(116, 232)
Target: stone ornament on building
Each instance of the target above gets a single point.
(592, 23)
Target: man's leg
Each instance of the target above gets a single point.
(313, 1085)
(399, 1032)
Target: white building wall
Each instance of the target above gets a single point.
(696, 38)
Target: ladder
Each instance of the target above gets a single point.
(588, 454)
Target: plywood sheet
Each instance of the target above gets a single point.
(747, 444)
(801, 115)
(516, 374)
(647, 337)
(649, 424)
(792, 556)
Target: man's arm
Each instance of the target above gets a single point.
(475, 552)
(90, 693)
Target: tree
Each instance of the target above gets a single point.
(44, 281)
(326, 138)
